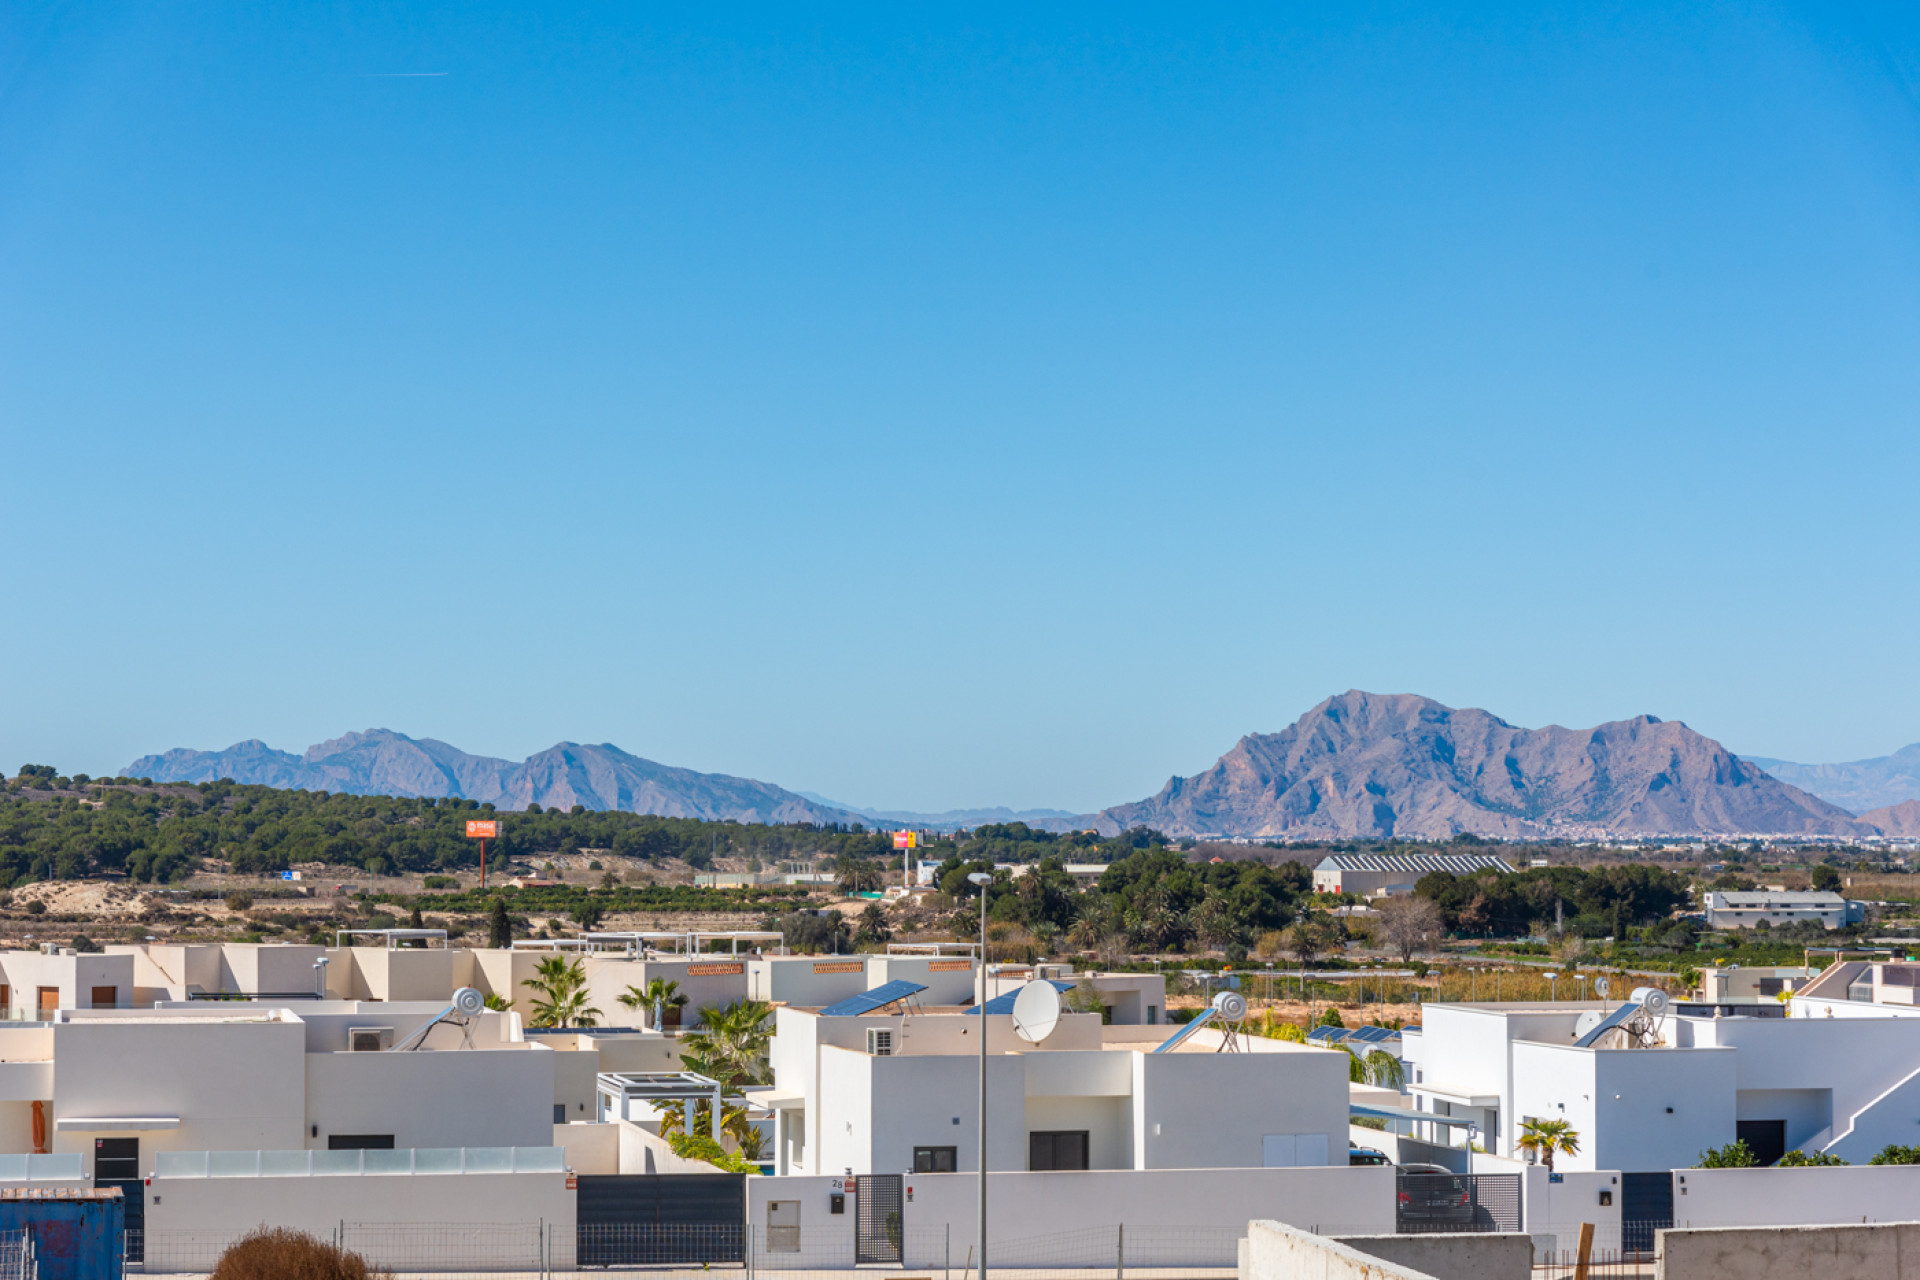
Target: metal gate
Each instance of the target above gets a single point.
(878, 1227)
(1646, 1207)
(1449, 1202)
(660, 1218)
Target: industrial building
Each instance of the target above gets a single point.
(1375, 875)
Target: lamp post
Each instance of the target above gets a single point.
(1553, 987)
(983, 879)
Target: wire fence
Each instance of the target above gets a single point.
(686, 1251)
(17, 1257)
(1564, 1264)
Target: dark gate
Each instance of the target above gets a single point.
(1646, 1206)
(877, 1222)
(660, 1218)
(1449, 1202)
(116, 1163)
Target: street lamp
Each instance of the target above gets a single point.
(1553, 987)
(983, 879)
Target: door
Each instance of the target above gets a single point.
(103, 997)
(783, 1226)
(48, 999)
(878, 1227)
(1284, 1150)
(1057, 1149)
(1646, 1206)
(1767, 1139)
(660, 1219)
(116, 1163)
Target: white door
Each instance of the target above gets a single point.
(1285, 1150)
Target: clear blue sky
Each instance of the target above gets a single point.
(953, 407)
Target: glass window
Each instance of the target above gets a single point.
(935, 1159)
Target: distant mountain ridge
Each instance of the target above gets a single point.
(382, 762)
(1858, 785)
(1056, 820)
(1400, 765)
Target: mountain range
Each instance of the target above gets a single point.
(382, 762)
(1380, 765)
(1859, 785)
(1359, 765)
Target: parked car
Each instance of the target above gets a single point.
(1430, 1193)
(1366, 1155)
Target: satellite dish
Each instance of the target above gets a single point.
(1036, 1011)
(1600, 987)
(1230, 1005)
(1652, 999)
(469, 1001)
(1588, 1020)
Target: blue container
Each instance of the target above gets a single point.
(77, 1232)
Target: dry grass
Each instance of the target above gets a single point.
(280, 1253)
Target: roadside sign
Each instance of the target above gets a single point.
(483, 829)
(906, 839)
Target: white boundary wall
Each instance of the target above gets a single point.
(1021, 1207)
(1808, 1197)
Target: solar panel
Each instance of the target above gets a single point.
(1328, 1035)
(1004, 1004)
(1373, 1035)
(868, 1001)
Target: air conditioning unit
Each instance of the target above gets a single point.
(880, 1041)
(369, 1039)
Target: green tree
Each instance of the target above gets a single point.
(661, 993)
(1894, 1153)
(1735, 1155)
(1798, 1159)
(1548, 1138)
(873, 926)
(1826, 879)
(560, 994)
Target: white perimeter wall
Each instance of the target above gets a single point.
(461, 1098)
(1781, 1197)
(1030, 1216)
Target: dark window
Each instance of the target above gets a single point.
(559, 1113)
(935, 1159)
(116, 1159)
(1767, 1139)
(359, 1142)
(1060, 1149)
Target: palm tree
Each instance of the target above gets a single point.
(1378, 1068)
(1546, 1138)
(731, 1043)
(663, 993)
(561, 994)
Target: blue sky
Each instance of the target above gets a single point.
(964, 406)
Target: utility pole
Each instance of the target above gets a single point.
(983, 879)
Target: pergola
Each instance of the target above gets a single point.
(393, 936)
(617, 1089)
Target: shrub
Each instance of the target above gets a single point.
(1894, 1153)
(36, 908)
(698, 1146)
(279, 1253)
(1803, 1160)
(239, 900)
(1329, 1017)
(1735, 1155)
(85, 945)
(440, 882)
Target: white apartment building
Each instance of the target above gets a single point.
(1743, 909)
(896, 1092)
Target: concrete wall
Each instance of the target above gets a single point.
(806, 981)
(189, 1219)
(591, 1148)
(1818, 1196)
(1482, 1256)
(73, 976)
(1278, 1251)
(1876, 1252)
(1036, 1218)
(949, 980)
(1634, 1108)
(1210, 1111)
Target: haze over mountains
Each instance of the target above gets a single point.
(1358, 765)
(1380, 765)
(382, 762)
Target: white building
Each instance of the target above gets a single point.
(1743, 909)
(895, 1092)
(1379, 874)
(1836, 1076)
